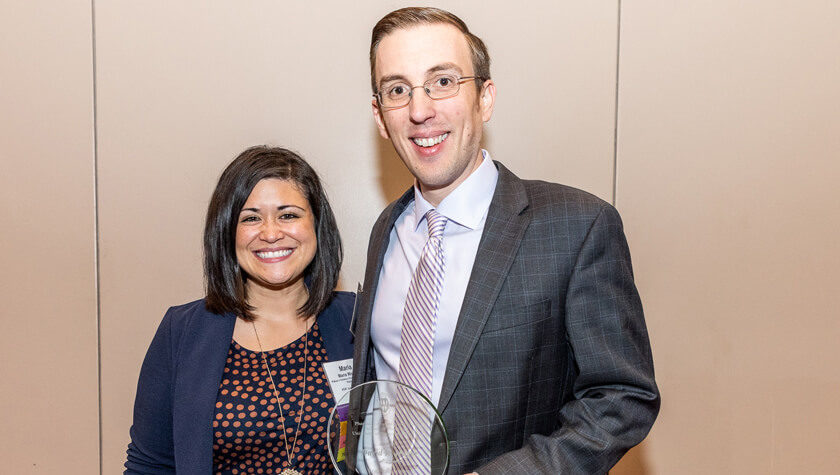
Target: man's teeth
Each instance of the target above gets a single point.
(273, 254)
(428, 142)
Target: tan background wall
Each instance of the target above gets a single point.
(48, 342)
(726, 154)
(728, 148)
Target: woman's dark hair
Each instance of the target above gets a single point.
(224, 279)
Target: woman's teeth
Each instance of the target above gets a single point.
(431, 141)
(273, 254)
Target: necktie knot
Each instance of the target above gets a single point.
(436, 222)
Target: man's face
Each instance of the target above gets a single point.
(438, 140)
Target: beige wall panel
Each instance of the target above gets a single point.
(184, 86)
(554, 65)
(48, 346)
(728, 153)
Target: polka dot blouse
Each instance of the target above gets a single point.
(247, 432)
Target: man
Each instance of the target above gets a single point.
(536, 352)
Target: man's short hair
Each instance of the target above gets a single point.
(413, 16)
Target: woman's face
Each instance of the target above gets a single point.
(275, 234)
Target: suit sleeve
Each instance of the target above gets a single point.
(151, 448)
(615, 396)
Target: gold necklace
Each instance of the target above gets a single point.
(290, 470)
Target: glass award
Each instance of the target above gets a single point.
(382, 427)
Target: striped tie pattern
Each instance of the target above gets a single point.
(413, 419)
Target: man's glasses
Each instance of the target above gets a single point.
(396, 94)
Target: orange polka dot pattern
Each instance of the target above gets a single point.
(247, 433)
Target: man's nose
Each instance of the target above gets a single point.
(421, 106)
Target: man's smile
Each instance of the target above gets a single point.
(430, 141)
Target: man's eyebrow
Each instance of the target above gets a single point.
(434, 69)
(444, 67)
(392, 77)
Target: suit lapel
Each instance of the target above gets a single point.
(379, 240)
(503, 230)
(363, 369)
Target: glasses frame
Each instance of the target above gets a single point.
(460, 80)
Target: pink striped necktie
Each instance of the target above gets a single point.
(413, 421)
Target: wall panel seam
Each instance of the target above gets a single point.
(615, 119)
(96, 229)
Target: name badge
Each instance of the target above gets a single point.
(340, 376)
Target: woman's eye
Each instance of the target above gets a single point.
(286, 216)
(249, 219)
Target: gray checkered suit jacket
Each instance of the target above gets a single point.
(550, 369)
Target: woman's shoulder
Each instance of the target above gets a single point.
(334, 323)
(341, 305)
(344, 299)
(199, 305)
(195, 313)
(339, 310)
(184, 312)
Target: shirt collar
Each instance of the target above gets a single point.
(468, 203)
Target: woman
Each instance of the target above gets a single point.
(206, 402)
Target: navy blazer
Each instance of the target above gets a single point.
(180, 378)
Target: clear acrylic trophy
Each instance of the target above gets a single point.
(384, 427)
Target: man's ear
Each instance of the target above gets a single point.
(487, 99)
(380, 121)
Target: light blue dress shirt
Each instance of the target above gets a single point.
(466, 210)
